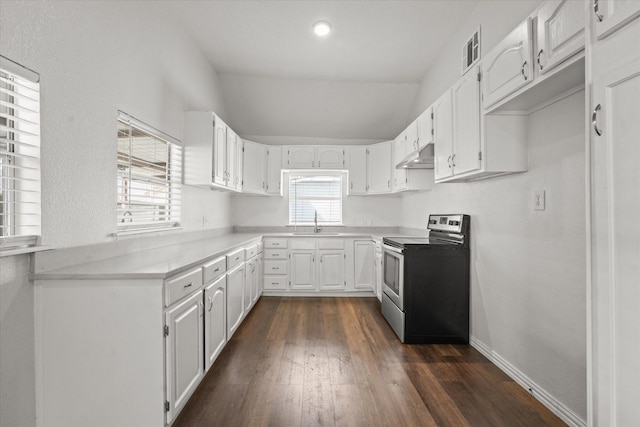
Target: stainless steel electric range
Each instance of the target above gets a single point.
(425, 285)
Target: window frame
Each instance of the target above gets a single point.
(172, 185)
(316, 173)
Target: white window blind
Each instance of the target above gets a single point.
(149, 172)
(20, 210)
(309, 194)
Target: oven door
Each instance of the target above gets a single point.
(393, 274)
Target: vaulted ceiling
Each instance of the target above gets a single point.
(360, 82)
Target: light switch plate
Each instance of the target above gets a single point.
(538, 200)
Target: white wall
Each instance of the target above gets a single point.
(528, 284)
(94, 58)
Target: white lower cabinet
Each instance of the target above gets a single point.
(303, 269)
(184, 352)
(331, 270)
(235, 299)
(364, 264)
(215, 320)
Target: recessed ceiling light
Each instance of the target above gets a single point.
(321, 28)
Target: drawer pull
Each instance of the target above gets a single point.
(276, 254)
(216, 270)
(274, 283)
(238, 257)
(275, 268)
(188, 285)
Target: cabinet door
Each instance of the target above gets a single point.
(443, 135)
(615, 232)
(400, 147)
(379, 167)
(610, 15)
(235, 299)
(303, 270)
(331, 270)
(274, 170)
(358, 170)
(411, 137)
(249, 278)
(239, 159)
(560, 32)
(230, 163)
(220, 152)
(507, 67)
(259, 282)
(253, 171)
(184, 352)
(364, 264)
(300, 157)
(466, 123)
(379, 274)
(425, 128)
(329, 157)
(215, 320)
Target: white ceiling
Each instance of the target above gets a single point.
(279, 79)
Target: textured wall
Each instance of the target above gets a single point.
(94, 58)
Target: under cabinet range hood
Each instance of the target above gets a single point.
(419, 159)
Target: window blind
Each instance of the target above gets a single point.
(149, 172)
(20, 210)
(309, 194)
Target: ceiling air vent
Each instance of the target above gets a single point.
(471, 51)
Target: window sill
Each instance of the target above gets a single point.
(125, 234)
(24, 250)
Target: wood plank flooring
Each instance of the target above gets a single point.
(336, 362)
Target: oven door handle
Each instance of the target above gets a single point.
(392, 249)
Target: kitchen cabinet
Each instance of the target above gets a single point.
(249, 284)
(357, 170)
(507, 67)
(184, 352)
(465, 95)
(303, 269)
(379, 167)
(259, 282)
(401, 148)
(276, 266)
(425, 129)
(215, 320)
(611, 15)
(560, 33)
(274, 170)
(254, 168)
(315, 157)
(364, 264)
(443, 135)
(235, 291)
(331, 270)
(379, 268)
(212, 152)
(614, 233)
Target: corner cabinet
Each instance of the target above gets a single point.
(212, 152)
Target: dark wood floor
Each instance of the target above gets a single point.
(335, 361)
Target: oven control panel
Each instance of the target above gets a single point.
(457, 223)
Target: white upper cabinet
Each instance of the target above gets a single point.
(315, 157)
(212, 152)
(610, 15)
(358, 170)
(410, 137)
(379, 167)
(274, 170)
(508, 66)
(253, 179)
(443, 136)
(425, 128)
(560, 32)
(400, 148)
(466, 124)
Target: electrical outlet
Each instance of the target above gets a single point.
(538, 200)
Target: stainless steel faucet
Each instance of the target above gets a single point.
(316, 230)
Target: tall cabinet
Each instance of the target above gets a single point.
(614, 117)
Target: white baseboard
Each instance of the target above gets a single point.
(555, 406)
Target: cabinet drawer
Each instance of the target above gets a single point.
(235, 258)
(330, 244)
(214, 269)
(275, 267)
(275, 283)
(275, 254)
(178, 287)
(250, 252)
(303, 244)
(275, 243)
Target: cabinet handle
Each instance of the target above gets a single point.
(216, 270)
(449, 162)
(352, 185)
(539, 63)
(594, 120)
(276, 268)
(453, 161)
(188, 285)
(318, 163)
(524, 64)
(596, 11)
(210, 303)
(388, 183)
(276, 254)
(238, 257)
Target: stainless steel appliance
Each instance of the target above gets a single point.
(425, 284)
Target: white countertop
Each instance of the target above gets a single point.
(166, 261)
